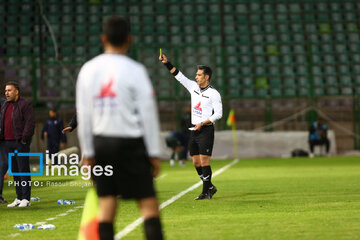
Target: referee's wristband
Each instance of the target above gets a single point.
(168, 65)
(175, 73)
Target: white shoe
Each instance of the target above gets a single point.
(172, 163)
(15, 203)
(311, 155)
(24, 203)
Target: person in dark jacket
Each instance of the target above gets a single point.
(3, 164)
(52, 130)
(17, 129)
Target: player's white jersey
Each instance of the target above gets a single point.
(115, 98)
(205, 104)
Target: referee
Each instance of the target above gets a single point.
(206, 108)
(119, 128)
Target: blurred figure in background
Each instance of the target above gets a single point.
(52, 130)
(178, 143)
(318, 136)
(17, 129)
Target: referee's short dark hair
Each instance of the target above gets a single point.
(116, 29)
(13, 83)
(207, 70)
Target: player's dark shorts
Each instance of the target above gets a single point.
(202, 142)
(132, 178)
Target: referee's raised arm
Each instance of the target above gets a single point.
(168, 64)
(187, 83)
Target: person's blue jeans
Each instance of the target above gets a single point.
(3, 166)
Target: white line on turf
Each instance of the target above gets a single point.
(14, 235)
(129, 228)
(62, 214)
(161, 176)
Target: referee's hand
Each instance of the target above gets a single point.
(163, 58)
(197, 127)
(155, 163)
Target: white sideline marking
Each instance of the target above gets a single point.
(50, 219)
(62, 214)
(161, 176)
(129, 228)
(14, 235)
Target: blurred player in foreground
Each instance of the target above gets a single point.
(206, 109)
(119, 127)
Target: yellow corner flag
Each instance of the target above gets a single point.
(231, 119)
(89, 225)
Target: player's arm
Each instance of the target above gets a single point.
(29, 119)
(71, 126)
(44, 131)
(84, 113)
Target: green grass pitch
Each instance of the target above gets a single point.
(257, 199)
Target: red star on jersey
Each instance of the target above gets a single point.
(106, 89)
(198, 106)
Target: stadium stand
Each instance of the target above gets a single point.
(283, 42)
(259, 50)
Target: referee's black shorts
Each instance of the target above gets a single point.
(202, 142)
(132, 178)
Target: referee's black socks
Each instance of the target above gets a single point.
(153, 229)
(106, 231)
(206, 171)
(200, 172)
